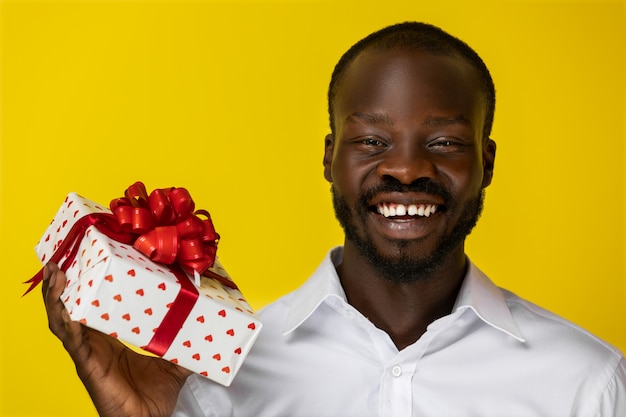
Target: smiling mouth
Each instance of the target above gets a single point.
(405, 210)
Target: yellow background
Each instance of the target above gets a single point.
(227, 99)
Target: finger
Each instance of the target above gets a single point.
(56, 283)
(73, 333)
(52, 300)
(48, 269)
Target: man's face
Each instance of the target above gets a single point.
(407, 162)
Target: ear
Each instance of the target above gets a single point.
(329, 146)
(489, 158)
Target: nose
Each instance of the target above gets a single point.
(406, 165)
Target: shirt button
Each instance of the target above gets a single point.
(396, 371)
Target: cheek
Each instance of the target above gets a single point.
(464, 176)
(351, 172)
(346, 173)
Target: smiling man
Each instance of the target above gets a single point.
(408, 160)
(398, 321)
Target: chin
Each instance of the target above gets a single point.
(402, 265)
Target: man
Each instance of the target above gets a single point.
(398, 322)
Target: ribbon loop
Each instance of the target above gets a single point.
(166, 226)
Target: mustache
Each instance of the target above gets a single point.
(422, 185)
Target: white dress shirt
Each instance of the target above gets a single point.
(495, 355)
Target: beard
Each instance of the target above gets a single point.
(400, 267)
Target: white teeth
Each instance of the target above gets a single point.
(392, 210)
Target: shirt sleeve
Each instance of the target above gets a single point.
(613, 399)
(200, 397)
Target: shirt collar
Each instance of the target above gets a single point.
(322, 284)
(478, 293)
(487, 301)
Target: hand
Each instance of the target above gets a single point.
(119, 381)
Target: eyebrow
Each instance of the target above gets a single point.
(376, 118)
(436, 121)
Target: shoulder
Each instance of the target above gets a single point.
(563, 348)
(541, 326)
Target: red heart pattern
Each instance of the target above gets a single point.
(133, 292)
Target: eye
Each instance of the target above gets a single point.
(444, 142)
(373, 142)
(447, 144)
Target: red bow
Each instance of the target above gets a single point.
(167, 228)
(163, 226)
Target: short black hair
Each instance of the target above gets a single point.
(421, 36)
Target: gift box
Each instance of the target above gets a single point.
(200, 322)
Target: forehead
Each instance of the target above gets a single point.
(410, 83)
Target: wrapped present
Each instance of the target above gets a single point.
(151, 279)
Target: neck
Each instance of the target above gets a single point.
(403, 310)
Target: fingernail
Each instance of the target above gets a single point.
(65, 316)
(48, 270)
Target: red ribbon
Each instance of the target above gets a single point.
(176, 315)
(167, 228)
(164, 227)
(104, 222)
